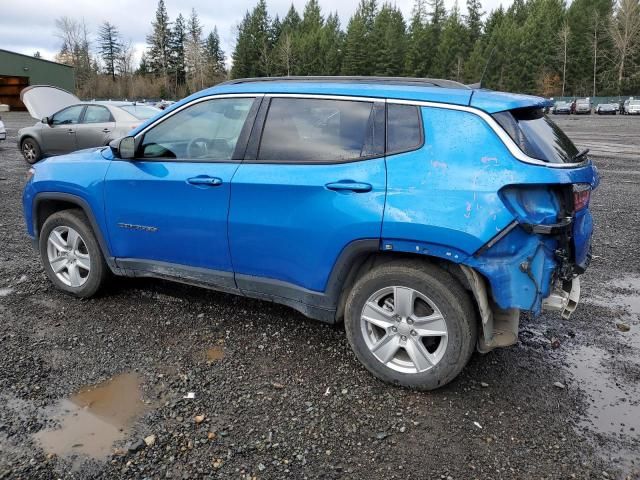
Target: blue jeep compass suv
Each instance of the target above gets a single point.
(424, 214)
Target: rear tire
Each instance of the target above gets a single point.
(71, 255)
(30, 150)
(411, 324)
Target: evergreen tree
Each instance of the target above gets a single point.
(309, 40)
(331, 45)
(419, 48)
(178, 41)
(109, 47)
(194, 52)
(453, 46)
(214, 55)
(159, 41)
(252, 56)
(389, 41)
(359, 57)
(474, 21)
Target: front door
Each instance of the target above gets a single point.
(167, 209)
(60, 135)
(313, 185)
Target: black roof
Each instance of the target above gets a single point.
(410, 81)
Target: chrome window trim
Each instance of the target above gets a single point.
(504, 136)
(499, 131)
(194, 102)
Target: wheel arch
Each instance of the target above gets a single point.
(46, 204)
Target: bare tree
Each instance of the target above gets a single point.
(594, 44)
(75, 50)
(285, 52)
(625, 34)
(563, 35)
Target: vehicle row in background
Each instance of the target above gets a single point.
(67, 124)
(583, 106)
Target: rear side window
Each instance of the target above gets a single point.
(318, 130)
(537, 135)
(404, 129)
(96, 114)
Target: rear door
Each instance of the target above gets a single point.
(313, 181)
(167, 208)
(95, 127)
(60, 135)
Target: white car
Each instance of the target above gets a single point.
(633, 107)
(3, 131)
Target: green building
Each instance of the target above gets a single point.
(18, 71)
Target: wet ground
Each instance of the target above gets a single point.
(157, 380)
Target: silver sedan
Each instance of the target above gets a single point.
(77, 126)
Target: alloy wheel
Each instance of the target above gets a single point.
(68, 256)
(404, 329)
(28, 151)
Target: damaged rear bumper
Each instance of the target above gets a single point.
(564, 299)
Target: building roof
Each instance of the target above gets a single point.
(31, 57)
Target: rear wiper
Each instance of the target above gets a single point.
(580, 154)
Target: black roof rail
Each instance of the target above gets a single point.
(415, 81)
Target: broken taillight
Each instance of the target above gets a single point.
(581, 194)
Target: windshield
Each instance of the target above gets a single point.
(560, 104)
(634, 102)
(141, 112)
(537, 135)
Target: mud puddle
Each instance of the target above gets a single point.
(93, 419)
(613, 404)
(215, 353)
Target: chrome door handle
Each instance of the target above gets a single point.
(205, 181)
(71, 130)
(106, 130)
(350, 186)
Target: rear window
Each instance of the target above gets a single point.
(141, 112)
(537, 135)
(404, 131)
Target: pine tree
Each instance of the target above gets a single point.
(159, 41)
(194, 52)
(214, 56)
(359, 58)
(419, 48)
(389, 41)
(309, 40)
(474, 20)
(109, 47)
(178, 41)
(252, 56)
(332, 45)
(452, 49)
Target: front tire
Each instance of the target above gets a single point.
(411, 324)
(30, 150)
(71, 255)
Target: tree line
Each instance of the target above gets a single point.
(178, 59)
(589, 48)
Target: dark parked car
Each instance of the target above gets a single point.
(422, 213)
(607, 109)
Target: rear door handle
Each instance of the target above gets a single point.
(71, 130)
(205, 181)
(347, 185)
(106, 130)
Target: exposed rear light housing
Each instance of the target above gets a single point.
(581, 195)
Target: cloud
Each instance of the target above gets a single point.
(28, 26)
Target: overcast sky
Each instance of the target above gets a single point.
(27, 26)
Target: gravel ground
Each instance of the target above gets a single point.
(278, 396)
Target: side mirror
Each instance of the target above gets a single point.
(124, 148)
(47, 120)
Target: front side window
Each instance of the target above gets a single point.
(404, 131)
(537, 135)
(68, 116)
(207, 130)
(319, 130)
(96, 114)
